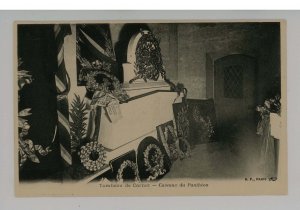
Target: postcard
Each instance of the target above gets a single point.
(150, 108)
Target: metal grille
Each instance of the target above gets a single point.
(233, 81)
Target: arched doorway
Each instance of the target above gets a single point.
(234, 88)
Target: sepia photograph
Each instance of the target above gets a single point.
(150, 108)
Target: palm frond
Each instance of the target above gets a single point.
(78, 124)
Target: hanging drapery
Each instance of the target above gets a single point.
(268, 163)
(41, 135)
(63, 87)
(267, 153)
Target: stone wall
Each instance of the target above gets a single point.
(199, 45)
(189, 51)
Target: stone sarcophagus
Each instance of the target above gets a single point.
(150, 102)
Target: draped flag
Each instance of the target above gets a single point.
(95, 58)
(62, 81)
(94, 51)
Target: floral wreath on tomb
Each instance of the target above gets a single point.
(154, 162)
(100, 82)
(148, 64)
(92, 156)
(105, 91)
(128, 164)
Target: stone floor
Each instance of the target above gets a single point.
(232, 156)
